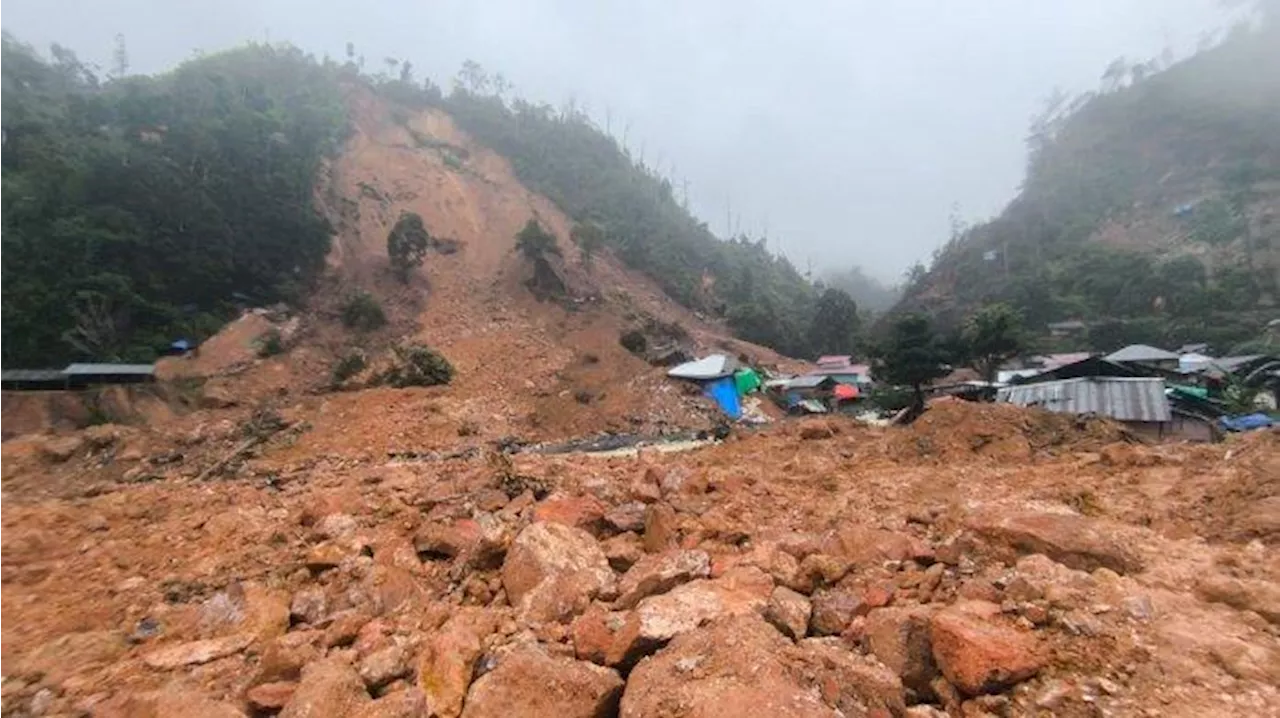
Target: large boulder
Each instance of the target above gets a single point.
(529, 683)
(553, 571)
(1075, 541)
(899, 637)
(978, 652)
(329, 687)
(170, 701)
(659, 573)
(730, 668)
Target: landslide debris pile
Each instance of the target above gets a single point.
(802, 571)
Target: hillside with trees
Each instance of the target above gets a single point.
(139, 210)
(1150, 209)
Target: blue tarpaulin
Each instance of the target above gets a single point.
(725, 393)
(180, 345)
(1246, 422)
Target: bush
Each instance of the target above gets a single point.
(362, 312)
(407, 244)
(270, 344)
(417, 365)
(351, 363)
(634, 341)
(890, 399)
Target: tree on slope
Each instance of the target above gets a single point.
(913, 354)
(589, 236)
(991, 336)
(834, 329)
(534, 242)
(407, 244)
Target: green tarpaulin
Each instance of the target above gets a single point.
(747, 381)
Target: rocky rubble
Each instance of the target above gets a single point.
(751, 578)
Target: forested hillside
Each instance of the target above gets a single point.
(138, 210)
(1150, 209)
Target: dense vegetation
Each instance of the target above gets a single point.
(634, 211)
(136, 210)
(1183, 163)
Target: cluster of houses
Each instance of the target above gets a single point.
(1183, 394)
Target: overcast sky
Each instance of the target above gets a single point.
(848, 128)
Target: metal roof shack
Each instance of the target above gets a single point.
(79, 375)
(1121, 398)
(1141, 353)
(32, 379)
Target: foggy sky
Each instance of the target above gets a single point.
(849, 130)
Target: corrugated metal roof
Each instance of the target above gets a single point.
(116, 369)
(1141, 352)
(1121, 398)
(32, 375)
(808, 381)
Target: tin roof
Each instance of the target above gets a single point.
(808, 381)
(115, 369)
(1141, 352)
(1121, 398)
(32, 375)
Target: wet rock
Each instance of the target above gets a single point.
(730, 668)
(978, 652)
(309, 605)
(659, 573)
(270, 696)
(899, 637)
(581, 512)
(788, 611)
(623, 551)
(1075, 541)
(553, 571)
(58, 449)
(660, 529)
(381, 667)
(196, 652)
(833, 610)
(448, 658)
(529, 683)
(408, 703)
(328, 687)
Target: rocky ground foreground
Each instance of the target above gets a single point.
(985, 561)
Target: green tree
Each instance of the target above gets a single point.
(835, 325)
(534, 242)
(589, 236)
(912, 354)
(407, 244)
(991, 336)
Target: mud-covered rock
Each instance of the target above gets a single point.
(447, 659)
(899, 637)
(978, 652)
(328, 687)
(529, 683)
(196, 652)
(730, 668)
(659, 573)
(553, 571)
(788, 611)
(1079, 542)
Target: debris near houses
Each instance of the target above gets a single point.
(840, 563)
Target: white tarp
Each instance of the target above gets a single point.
(709, 367)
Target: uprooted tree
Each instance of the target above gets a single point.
(913, 354)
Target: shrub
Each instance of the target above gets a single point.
(634, 341)
(890, 399)
(270, 344)
(351, 363)
(407, 244)
(417, 365)
(362, 312)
